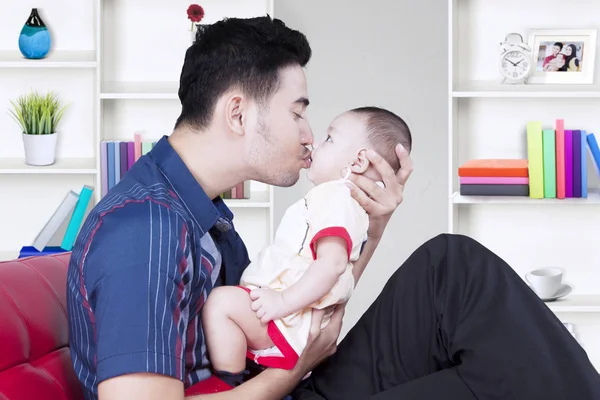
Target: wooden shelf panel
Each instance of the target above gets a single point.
(593, 198)
(139, 90)
(57, 59)
(61, 166)
(494, 89)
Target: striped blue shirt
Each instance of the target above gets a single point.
(144, 262)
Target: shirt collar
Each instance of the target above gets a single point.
(205, 211)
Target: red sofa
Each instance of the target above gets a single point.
(34, 355)
(34, 336)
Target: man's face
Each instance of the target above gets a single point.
(278, 147)
(555, 50)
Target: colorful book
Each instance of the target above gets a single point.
(117, 162)
(123, 159)
(30, 251)
(130, 154)
(55, 221)
(494, 190)
(594, 150)
(103, 162)
(584, 180)
(493, 180)
(549, 158)
(535, 157)
(110, 164)
(146, 147)
(77, 218)
(494, 167)
(576, 163)
(568, 163)
(560, 158)
(137, 140)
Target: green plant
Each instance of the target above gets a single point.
(37, 114)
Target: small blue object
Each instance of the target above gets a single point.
(34, 40)
(29, 251)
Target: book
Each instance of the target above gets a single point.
(549, 157)
(494, 190)
(55, 221)
(576, 163)
(496, 167)
(560, 158)
(568, 163)
(584, 180)
(103, 161)
(30, 251)
(594, 150)
(77, 218)
(536, 159)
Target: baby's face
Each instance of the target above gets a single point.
(339, 148)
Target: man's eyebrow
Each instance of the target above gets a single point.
(303, 100)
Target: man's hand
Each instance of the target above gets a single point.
(380, 203)
(268, 304)
(322, 343)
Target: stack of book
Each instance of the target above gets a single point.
(118, 156)
(558, 160)
(241, 191)
(494, 177)
(70, 212)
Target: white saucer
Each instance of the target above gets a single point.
(562, 291)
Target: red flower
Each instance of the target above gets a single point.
(195, 13)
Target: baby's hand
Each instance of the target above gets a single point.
(268, 304)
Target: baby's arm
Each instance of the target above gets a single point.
(318, 280)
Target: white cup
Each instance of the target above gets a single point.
(545, 281)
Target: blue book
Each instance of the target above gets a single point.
(77, 218)
(110, 163)
(584, 180)
(30, 251)
(594, 151)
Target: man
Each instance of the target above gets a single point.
(556, 49)
(455, 318)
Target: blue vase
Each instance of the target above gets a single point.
(34, 40)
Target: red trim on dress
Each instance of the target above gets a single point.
(208, 386)
(338, 231)
(289, 356)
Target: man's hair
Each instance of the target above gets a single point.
(246, 54)
(384, 131)
(559, 44)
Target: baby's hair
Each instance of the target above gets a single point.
(384, 131)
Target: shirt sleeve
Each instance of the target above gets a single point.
(135, 273)
(332, 211)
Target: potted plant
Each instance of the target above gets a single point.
(38, 117)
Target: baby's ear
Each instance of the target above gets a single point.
(361, 163)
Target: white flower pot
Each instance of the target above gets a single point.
(40, 149)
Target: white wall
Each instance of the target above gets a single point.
(391, 54)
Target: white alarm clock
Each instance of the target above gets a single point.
(515, 60)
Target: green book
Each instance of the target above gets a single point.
(549, 150)
(535, 159)
(146, 147)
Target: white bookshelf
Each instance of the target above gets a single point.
(487, 119)
(119, 74)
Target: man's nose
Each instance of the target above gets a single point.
(307, 135)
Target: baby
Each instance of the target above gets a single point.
(309, 265)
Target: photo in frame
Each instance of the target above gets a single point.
(562, 56)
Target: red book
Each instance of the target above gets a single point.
(560, 159)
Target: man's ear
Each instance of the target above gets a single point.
(235, 113)
(361, 163)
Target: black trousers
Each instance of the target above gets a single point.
(455, 322)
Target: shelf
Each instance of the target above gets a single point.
(498, 90)
(593, 198)
(576, 304)
(140, 90)
(58, 59)
(61, 166)
(258, 200)
(8, 255)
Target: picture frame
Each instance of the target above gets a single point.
(553, 61)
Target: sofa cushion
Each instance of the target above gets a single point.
(34, 354)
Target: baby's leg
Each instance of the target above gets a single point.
(231, 327)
